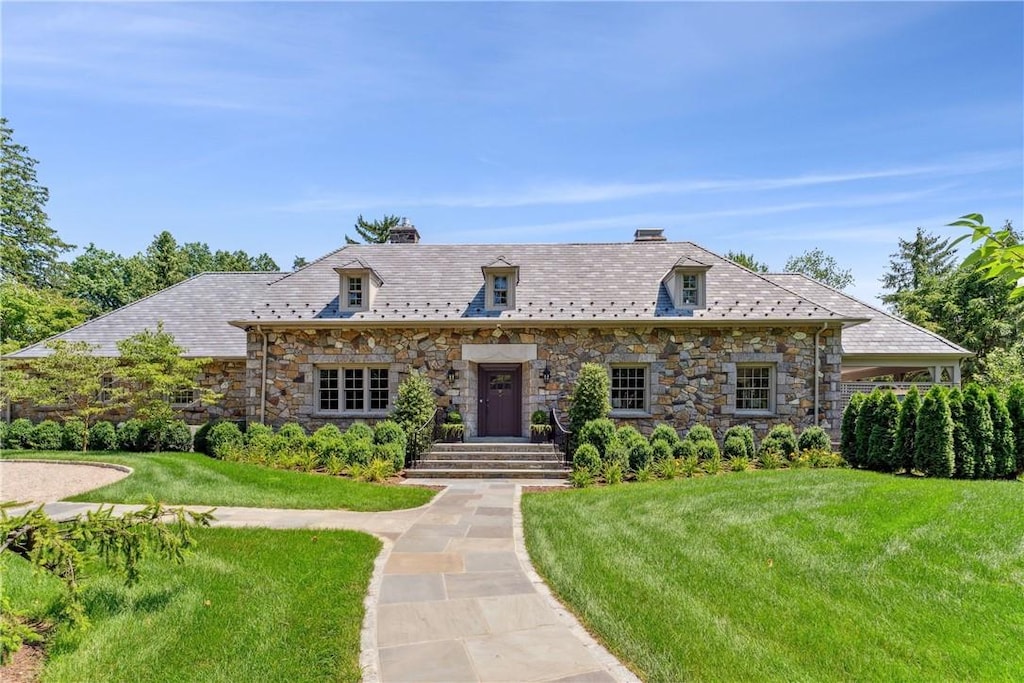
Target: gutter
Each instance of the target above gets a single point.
(263, 377)
(817, 370)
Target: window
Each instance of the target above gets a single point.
(629, 388)
(183, 397)
(755, 388)
(354, 292)
(500, 290)
(106, 389)
(353, 390)
(690, 292)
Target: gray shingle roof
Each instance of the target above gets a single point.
(885, 334)
(195, 311)
(557, 283)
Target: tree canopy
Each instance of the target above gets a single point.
(915, 261)
(373, 232)
(747, 261)
(815, 263)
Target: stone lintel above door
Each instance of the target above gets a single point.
(499, 353)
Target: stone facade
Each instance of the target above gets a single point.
(691, 370)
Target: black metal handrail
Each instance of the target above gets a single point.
(560, 436)
(425, 435)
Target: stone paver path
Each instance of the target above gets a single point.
(453, 597)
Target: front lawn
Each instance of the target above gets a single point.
(196, 479)
(793, 575)
(250, 604)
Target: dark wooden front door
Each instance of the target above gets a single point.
(500, 400)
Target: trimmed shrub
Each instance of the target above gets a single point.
(388, 431)
(848, 437)
(177, 437)
(413, 407)
(745, 433)
(129, 435)
(1015, 406)
(781, 438)
(199, 439)
(223, 437)
(103, 437)
(979, 431)
(19, 434)
(73, 435)
(587, 458)
(963, 449)
(637, 449)
(700, 432)
(660, 451)
(707, 450)
(360, 451)
(906, 427)
(734, 447)
(666, 433)
(255, 431)
(814, 438)
(393, 452)
(865, 423)
(295, 435)
(598, 433)
(882, 442)
(934, 437)
(46, 436)
(684, 448)
(589, 399)
(617, 453)
(3, 434)
(1002, 436)
(359, 431)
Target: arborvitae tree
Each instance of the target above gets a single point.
(848, 436)
(934, 438)
(979, 431)
(1015, 406)
(906, 428)
(963, 449)
(865, 423)
(589, 400)
(882, 441)
(1002, 435)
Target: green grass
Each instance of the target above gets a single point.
(793, 575)
(250, 604)
(195, 479)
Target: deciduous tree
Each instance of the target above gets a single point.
(30, 314)
(747, 261)
(816, 264)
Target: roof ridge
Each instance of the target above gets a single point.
(884, 312)
(311, 263)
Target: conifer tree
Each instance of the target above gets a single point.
(934, 438)
(373, 232)
(1002, 436)
(1015, 406)
(979, 432)
(906, 428)
(963, 449)
(882, 442)
(865, 423)
(848, 436)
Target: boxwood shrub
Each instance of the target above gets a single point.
(598, 433)
(46, 436)
(73, 435)
(222, 437)
(129, 435)
(19, 434)
(745, 433)
(700, 433)
(814, 438)
(102, 437)
(587, 458)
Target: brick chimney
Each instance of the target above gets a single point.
(649, 235)
(404, 233)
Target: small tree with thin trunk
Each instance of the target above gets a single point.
(906, 428)
(934, 437)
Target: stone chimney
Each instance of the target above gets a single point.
(649, 235)
(404, 233)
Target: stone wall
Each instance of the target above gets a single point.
(226, 377)
(691, 370)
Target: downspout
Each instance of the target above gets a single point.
(263, 377)
(817, 370)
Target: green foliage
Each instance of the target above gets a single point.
(374, 232)
(176, 436)
(1015, 406)
(865, 423)
(360, 451)
(999, 257)
(700, 432)
(19, 434)
(816, 264)
(734, 447)
(1003, 367)
(255, 432)
(46, 436)
(13, 630)
(31, 315)
(378, 470)
(581, 478)
(103, 436)
(917, 262)
(906, 428)
(359, 431)
(934, 438)
(714, 464)
(661, 451)
(295, 435)
(706, 450)
(882, 442)
(590, 396)
(747, 261)
(414, 406)
(781, 438)
(393, 452)
(822, 458)
(612, 473)
(978, 420)
(667, 468)
(637, 449)
(745, 433)
(963, 447)
(222, 438)
(598, 433)
(539, 417)
(331, 447)
(689, 466)
(1002, 436)
(740, 463)
(770, 459)
(129, 435)
(848, 432)
(388, 431)
(666, 433)
(814, 438)
(74, 435)
(586, 457)
(684, 448)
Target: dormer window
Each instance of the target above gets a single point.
(689, 289)
(358, 286)
(500, 280)
(354, 292)
(686, 283)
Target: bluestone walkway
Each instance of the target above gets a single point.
(453, 596)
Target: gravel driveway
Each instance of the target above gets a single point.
(44, 482)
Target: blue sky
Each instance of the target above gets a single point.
(770, 127)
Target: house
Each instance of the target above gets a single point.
(501, 330)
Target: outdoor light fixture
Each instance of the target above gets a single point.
(452, 375)
(546, 374)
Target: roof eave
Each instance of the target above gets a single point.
(539, 322)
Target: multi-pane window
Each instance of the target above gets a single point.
(754, 387)
(353, 389)
(182, 397)
(355, 292)
(629, 388)
(501, 290)
(106, 388)
(689, 289)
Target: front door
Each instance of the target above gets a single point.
(500, 400)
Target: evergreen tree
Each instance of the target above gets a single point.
(1002, 436)
(963, 448)
(865, 423)
(979, 432)
(589, 399)
(1015, 407)
(299, 262)
(934, 439)
(906, 428)
(882, 442)
(165, 260)
(848, 435)
(373, 232)
(916, 262)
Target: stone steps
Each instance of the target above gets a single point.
(489, 464)
(491, 460)
(418, 473)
